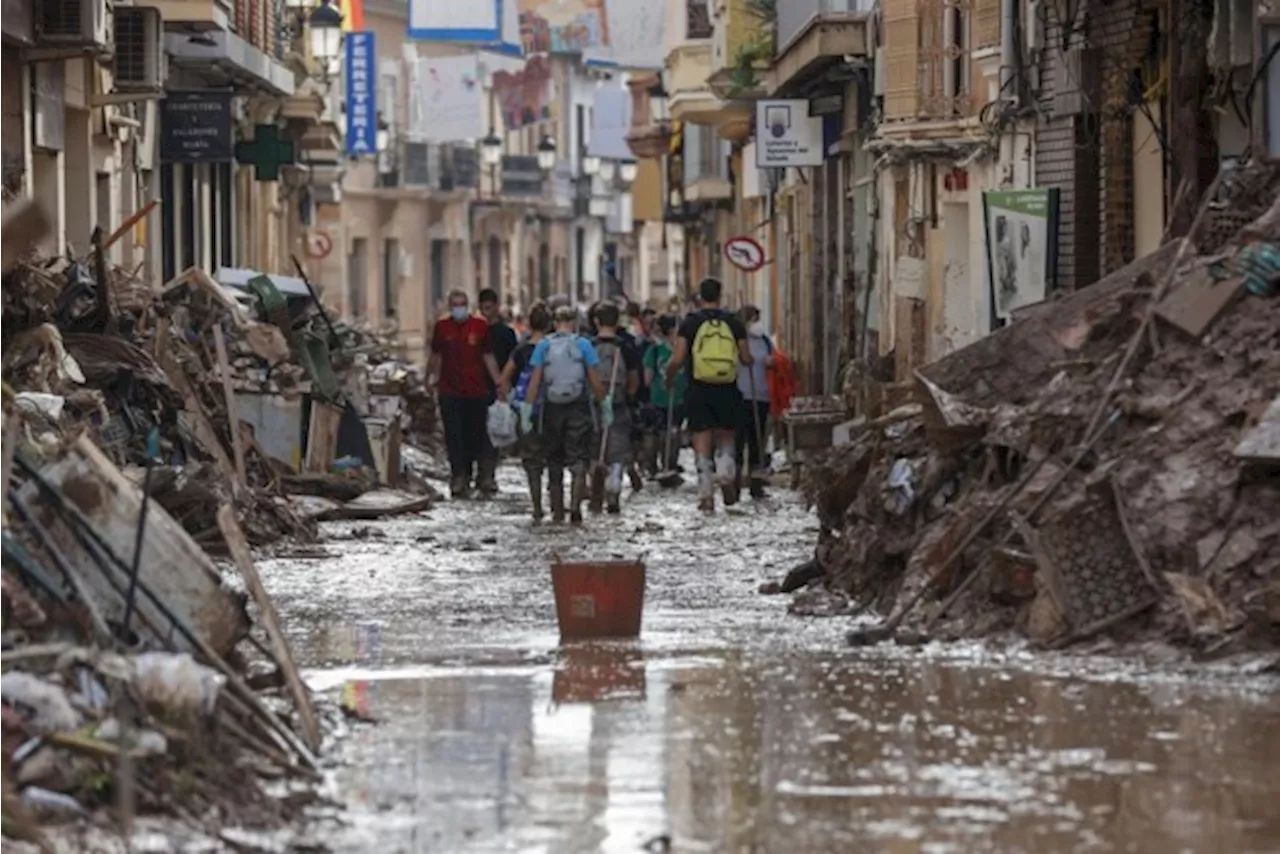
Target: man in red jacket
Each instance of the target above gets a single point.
(462, 366)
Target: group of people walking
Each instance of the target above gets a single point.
(606, 398)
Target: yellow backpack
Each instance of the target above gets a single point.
(715, 353)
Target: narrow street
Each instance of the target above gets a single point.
(732, 726)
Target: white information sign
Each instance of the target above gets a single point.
(786, 135)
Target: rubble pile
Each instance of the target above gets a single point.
(147, 428)
(1105, 463)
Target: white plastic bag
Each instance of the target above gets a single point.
(502, 425)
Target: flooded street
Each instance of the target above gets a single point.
(731, 726)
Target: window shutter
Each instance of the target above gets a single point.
(902, 59)
(986, 23)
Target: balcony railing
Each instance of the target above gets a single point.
(795, 15)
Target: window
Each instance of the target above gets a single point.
(390, 277)
(357, 277)
(697, 19)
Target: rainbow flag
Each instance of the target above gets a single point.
(352, 15)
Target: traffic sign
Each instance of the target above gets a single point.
(745, 253)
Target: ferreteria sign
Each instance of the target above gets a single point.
(786, 135)
(196, 127)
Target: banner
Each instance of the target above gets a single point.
(477, 22)
(563, 26)
(1022, 247)
(362, 94)
(446, 102)
(525, 96)
(636, 32)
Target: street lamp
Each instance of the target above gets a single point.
(547, 154)
(491, 149)
(590, 164)
(627, 171)
(325, 22)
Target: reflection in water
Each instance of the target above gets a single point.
(809, 753)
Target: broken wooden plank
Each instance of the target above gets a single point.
(233, 408)
(283, 655)
(173, 565)
(1262, 444)
(25, 223)
(199, 422)
(1199, 301)
(372, 506)
(322, 436)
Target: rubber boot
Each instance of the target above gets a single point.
(487, 476)
(555, 490)
(596, 504)
(535, 493)
(459, 489)
(757, 487)
(727, 474)
(637, 482)
(577, 496)
(706, 485)
(613, 489)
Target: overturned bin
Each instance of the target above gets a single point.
(598, 599)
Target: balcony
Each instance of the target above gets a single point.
(688, 65)
(706, 166)
(816, 34)
(741, 51)
(650, 133)
(194, 15)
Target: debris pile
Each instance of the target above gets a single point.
(1107, 462)
(145, 430)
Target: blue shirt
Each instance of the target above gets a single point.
(589, 354)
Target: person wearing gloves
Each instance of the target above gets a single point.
(565, 375)
(530, 447)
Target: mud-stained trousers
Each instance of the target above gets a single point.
(566, 436)
(606, 481)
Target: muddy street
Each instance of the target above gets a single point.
(732, 726)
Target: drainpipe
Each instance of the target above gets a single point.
(1008, 59)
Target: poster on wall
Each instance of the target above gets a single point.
(1022, 247)
(563, 26)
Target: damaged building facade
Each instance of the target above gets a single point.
(975, 158)
(166, 121)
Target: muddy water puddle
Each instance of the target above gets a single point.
(730, 726)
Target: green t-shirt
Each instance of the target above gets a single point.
(656, 359)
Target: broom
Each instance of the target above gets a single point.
(669, 478)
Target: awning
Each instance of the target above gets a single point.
(230, 57)
(238, 279)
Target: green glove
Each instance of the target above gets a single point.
(526, 418)
(606, 410)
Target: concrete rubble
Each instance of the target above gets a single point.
(1104, 464)
(146, 430)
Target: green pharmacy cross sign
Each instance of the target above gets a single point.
(266, 152)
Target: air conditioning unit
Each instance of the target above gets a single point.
(74, 23)
(139, 61)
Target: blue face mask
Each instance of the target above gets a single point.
(459, 313)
